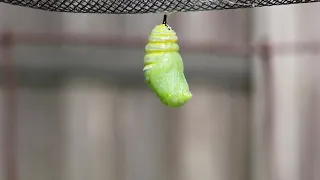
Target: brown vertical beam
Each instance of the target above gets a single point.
(9, 124)
(265, 53)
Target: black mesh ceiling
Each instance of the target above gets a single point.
(145, 6)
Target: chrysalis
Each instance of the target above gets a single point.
(164, 71)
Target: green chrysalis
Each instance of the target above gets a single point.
(164, 71)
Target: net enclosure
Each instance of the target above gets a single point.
(145, 6)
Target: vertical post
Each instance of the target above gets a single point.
(9, 127)
(265, 53)
(261, 124)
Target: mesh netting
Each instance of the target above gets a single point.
(145, 6)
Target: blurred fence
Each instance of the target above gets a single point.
(70, 114)
(67, 120)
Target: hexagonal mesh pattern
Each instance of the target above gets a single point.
(145, 6)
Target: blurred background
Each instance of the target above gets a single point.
(74, 105)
